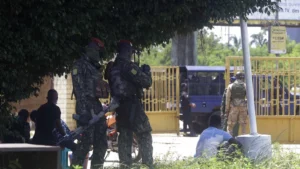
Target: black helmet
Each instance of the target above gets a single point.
(239, 75)
(125, 49)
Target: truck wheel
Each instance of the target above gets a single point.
(218, 112)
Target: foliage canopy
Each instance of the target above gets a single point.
(42, 37)
(212, 52)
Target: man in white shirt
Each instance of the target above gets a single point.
(212, 137)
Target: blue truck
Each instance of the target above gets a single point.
(206, 85)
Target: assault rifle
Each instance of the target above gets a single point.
(75, 134)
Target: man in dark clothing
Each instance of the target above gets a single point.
(127, 81)
(19, 129)
(24, 128)
(186, 111)
(71, 146)
(33, 115)
(47, 119)
(277, 96)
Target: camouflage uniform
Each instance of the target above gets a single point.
(236, 106)
(85, 77)
(127, 81)
(223, 114)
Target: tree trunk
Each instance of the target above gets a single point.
(184, 49)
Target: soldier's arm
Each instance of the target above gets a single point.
(58, 124)
(223, 102)
(228, 95)
(137, 76)
(78, 80)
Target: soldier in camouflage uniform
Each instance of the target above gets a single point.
(236, 105)
(85, 78)
(126, 81)
(224, 116)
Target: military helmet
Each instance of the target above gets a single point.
(94, 50)
(125, 49)
(239, 75)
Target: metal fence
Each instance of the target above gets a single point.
(276, 84)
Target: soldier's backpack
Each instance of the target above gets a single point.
(238, 91)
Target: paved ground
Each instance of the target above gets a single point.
(171, 146)
(168, 146)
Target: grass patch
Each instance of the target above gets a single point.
(281, 159)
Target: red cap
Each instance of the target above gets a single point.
(98, 42)
(125, 41)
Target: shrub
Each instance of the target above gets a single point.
(281, 159)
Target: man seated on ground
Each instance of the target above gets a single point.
(47, 119)
(212, 138)
(18, 129)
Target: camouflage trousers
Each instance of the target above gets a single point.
(235, 128)
(237, 114)
(125, 147)
(96, 136)
(131, 118)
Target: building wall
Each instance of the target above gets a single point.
(64, 88)
(67, 106)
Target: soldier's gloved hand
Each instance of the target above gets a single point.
(83, 120)
(146, 68)
(94, 119)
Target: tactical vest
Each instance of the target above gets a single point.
(119, 86)
(238, 91)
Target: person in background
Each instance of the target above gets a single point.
(56, 132)
(212, 138)
(33, 115)
(277, 96)
(186, 111)
(24, 127)
(236, 104)
(184, 86)
(19, 129)
(33, 119)
(46, 120)
(224, 116)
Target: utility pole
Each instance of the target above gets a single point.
(248, 76)
(276, 23)
(228, 36)
(255, 146)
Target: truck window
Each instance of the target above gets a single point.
(206, 83)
